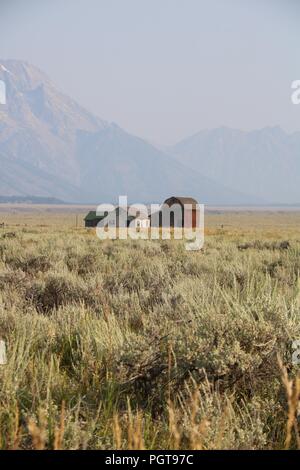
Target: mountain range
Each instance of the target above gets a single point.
(263, 162)
(50, 146)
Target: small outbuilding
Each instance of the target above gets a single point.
(189, 208)
(92, 219)
(177, 211)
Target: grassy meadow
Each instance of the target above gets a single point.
(144, 345)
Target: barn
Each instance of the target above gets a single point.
(186, 218)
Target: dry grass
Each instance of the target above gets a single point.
(143, 345)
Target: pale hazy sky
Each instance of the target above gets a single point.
(164, 69)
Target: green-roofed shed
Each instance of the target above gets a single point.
(92, 219)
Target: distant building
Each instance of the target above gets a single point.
(136, 221)
(92, 219)
(174, 212)
(184, 213)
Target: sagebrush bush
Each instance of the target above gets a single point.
(113, 338)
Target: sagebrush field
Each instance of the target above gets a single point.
(141, 344)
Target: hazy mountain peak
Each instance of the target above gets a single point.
(52, 146)
(265, 162)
